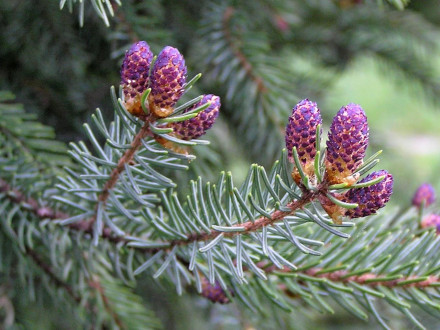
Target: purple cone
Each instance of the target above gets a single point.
(371, 198)
(432, 220)
(347, 143)
(425, 194)
(301, 133)
(167, 81)
(135, 75)
(197, 126)
(215, 293)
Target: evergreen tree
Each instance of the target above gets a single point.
(139, 208)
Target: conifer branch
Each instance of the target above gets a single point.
(126, 158)
(46, 212)
(251, 226)
(18, 197)
(49, 272)
(247, 66)
(95, 284)
(20, 142)
(133, 36)
(369, 279)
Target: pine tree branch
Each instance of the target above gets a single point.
(46, 212)
(13, 136)
(18, 197)
(369, 279)
(126, 158)
(54, 278)
(86, 226)
(228, 13)
(251, 226)
(123, 21)
(95, 284)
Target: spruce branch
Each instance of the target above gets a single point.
(96, 285)
(126, 158)
(246, 65)
(276, 240)
(21, 132)
(135, 313)
(237, 58)
(102, 8)
(46, 212)
(367, 279)
(246, 228)
(51, 274)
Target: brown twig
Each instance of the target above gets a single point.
(31, 204)
(369, 279)
(250, 226)
(125, 159)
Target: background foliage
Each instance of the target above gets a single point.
(261, 57)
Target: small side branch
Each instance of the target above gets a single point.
(46, 212)
(369, 279)
(238, 53)
(251, 226)
(30, 204)
(125, 159)
(95, 284)
(49, 272)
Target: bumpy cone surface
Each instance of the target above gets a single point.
(346, 144)
(301, 133)
(215, 293)
(432, 220)
(197, 126)
(134, 76)
(167, 81)
(425, 194)
(371, 198)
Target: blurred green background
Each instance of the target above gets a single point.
(333, 52)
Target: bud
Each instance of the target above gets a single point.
(425, 194)
(134, 76)
(215, 293)
(301, 133)
(197, 126)
(167, 80)
(371, 198)
(334, 211)
(432, 220)
(346, 145)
